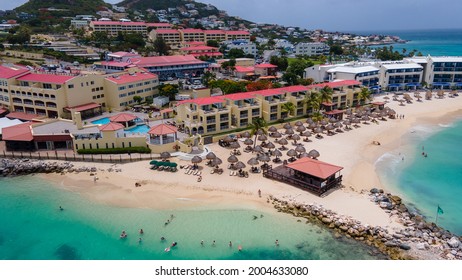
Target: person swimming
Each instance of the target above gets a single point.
(202, 242)
(277, 242)
(141, 231)
(174, 244)
(61, 208)
(162, 238)
(230, 244)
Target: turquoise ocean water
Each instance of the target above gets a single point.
(32, 227)
(438, 42)
(426, 182)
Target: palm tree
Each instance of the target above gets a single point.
(208, 77)
(288, 108)
(317, 116)
(326, 94)
(364, 94)
(258, 124)
(312, 101)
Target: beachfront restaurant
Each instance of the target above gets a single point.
(308, 174)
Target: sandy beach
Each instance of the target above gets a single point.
(353, 150)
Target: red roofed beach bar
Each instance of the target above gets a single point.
(307, 173)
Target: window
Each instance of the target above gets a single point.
(130, 86)
(122, 88)
(92, 82)
(47, 86)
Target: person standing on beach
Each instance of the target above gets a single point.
(259, 193)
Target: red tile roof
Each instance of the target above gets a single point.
(207, 54)
(8, 72)
(127, 78)
(3, 110)
(242, 69)
(238, 32)
(240, 96)
(23, 116)
(191, 30)
(19, 132)
(167, 31)
(115, 63)
(46, 78)
(204, 100)
(269, 92)
(265, 65)
(294, 88)
(162, 129)
(314, 167)
(217, 31)
(111, 127)
(158, 24)
(123, 23)
(199, 48)
(166, 60)
(123, 117)
(83, 107)
(336, 84)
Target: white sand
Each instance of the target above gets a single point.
(353, 150)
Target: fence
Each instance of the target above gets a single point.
(122, 158)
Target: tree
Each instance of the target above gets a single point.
(312, 101)
(288, 108)
(236, 53)
(281, 62)
(137, 99)
(258, 124)
(259, 85)
(149, 99)
(229, 65)
(168, 90)
(19, 35)
(298, 66)
(213, 43)
(336, 49)
(325, 94)
(290, 78)
(161, 47)
(364, 94)
(208, 77)
(305, 82)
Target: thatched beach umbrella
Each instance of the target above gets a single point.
(287, 126)
(272, 129)
(302, 155)
(262, 137)
(289, 131)
(276, 135)
(298, 123)
(165, 155)
(283, 142)
(318, 130)
(309, 121)
(232, 159)
(292, 154)
(253, 161)
(300, 129)
(277, 153)
(296, 137)
(235, 145)
(245, 134)
(216, 162)
(324, 122)
(265, 158)
(228, 139)
(428, 95)
(195, 160)
(313, 154)
(210, 156)
(239, 165)
(300, 149)
(258, 149)
(312, 126)
(270, 145)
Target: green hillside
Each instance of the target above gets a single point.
(142, 5)
(73, 7)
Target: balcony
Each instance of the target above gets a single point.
(211, 121)
(274, 110)
(224, 119)
(244, 115)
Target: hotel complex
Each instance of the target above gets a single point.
(216, 114)
(408, 74)
(53, 95)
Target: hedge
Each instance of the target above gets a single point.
(141, 150)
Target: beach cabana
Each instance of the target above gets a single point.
(162, 134)
(309, 174)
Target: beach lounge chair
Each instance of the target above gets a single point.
(212, 171)
(231, 173)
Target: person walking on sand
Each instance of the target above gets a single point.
(259, 193)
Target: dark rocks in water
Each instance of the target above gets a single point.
(67, 252)
(404, 246)
(374, 190)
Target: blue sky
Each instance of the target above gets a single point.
(339, 15)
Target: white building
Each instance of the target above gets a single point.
(400, 75)
(311, 49)
(245, 45)
(366, 74)
(444, 72)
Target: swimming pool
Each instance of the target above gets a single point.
(143, 129)
(101, 121)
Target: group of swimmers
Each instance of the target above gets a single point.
(168, 221)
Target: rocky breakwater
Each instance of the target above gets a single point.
(14, 167)
(425, 239)
(417, 240)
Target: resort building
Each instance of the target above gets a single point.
(112, 28)
(311, 49)
(367, 75)
(53, 95)
(399, 75)
(201, 51)
(174, 66)
(246, 46)
(217, 114)
(172, 37)
(444, 72)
